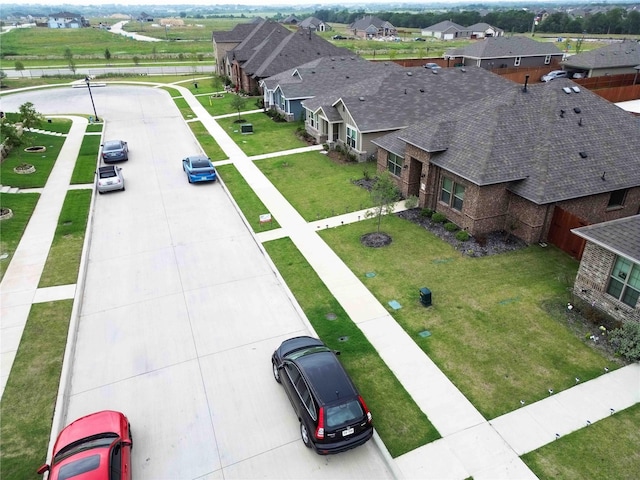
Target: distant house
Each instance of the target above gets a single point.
(270, 48)
(291, 20)
(613, 59)
(484, 30)
(609, 275)
(534, 162)
(143, 17)
(502, 52)
(314, 24)
(372, 27)
(67, 20)
(226, 40)
(446, 30)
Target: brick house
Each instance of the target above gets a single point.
(535, 162)
(372, 27)
(67, 20)
(609, 274)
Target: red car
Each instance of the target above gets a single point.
(95, 447)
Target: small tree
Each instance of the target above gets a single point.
(237, 103)
(68, 55)
(107, 54)
(154, 53)
(3, 75)
(626, 340)
(136, 60)
(384, 194)
(30, 118)
(19, 66)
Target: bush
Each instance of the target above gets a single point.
(462, 236)
(451, 227)
(426, 212)
(438, 217)
(626, 340)
(411, 202)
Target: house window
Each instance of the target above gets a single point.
(616, 199)
(283, 104)
(394, 164)
(516, 62)
(452, 194)
(547, 60)
(352, 136)
(624, 283)
(313, 120)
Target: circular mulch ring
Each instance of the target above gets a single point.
(24, 168)
(36, 149)
(375, 239)
(6, 213)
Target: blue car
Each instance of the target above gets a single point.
(199, 169)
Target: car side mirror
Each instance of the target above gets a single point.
(42, 469)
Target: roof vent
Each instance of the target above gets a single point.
(409, 74)
(463, 69)
(422, 90)
(577, 109)
(566, 89)
(346, 76)
(561, 113)
(576, 89)
(583, 154)
(580, 121)
(361, 99)
(434, 71)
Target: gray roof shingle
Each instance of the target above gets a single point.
(509, 47)
(550, 145)
(620, 236)
(622, 54)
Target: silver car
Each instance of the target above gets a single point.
(115, 151)
(109, 178)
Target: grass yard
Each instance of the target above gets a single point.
(496, 326)
(87, 162)
(30, 395)
(12, 229)
(207, 142)
(398, 420)
(608, 449)
(251, 206)
(63, 261)
(184, 108)
(317, 186)
(268, 136)
(43, 162)
(222, 105)
(58, 125)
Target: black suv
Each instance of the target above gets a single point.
(333, 416)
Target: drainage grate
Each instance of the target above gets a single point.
(331, 316)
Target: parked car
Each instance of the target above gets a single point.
(109, 178)
(333, 416)
(115, 151)
(339, 37)
(199, 169)
(554, 74)
(432, 66)
(419, 39)
(95, 446)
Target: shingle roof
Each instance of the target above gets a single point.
(237, 34)
(509, 47)
(309, 22)
(550, 145)
(622, 54)
(620, 236)
(325, 74)
(397, 98)
(481, 27)
(369, 20)
(444, 26)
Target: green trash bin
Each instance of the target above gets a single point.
(425, 296)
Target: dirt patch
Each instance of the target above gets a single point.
(375, 239)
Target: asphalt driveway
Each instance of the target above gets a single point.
(181, 311)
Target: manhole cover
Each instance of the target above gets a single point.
(331, 316)
(425, 333)
(3, 256)
(370, 274)
(343, 338)
(66, 224)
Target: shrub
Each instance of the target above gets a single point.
(626, 340)
(426, 212)
(411, 202)
(462, 235)
(451, 227)
(438, 217)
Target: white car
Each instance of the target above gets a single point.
(554, 74)
(110, 178)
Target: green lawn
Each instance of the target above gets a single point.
(222, 105)
(268, 136)
(607, 449)
(43, 162)
(251, 206)
(29, 398)
(398, 420)
(63, 261)
(497, 329)
(317, 186)
(87, 162)
(184, 108)
(207, 142)
(12, 229)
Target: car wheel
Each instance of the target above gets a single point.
(189, 178)
(276, 372)
(304, 433)
(100, 193)
(123, 188)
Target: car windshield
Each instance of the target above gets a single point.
(200, 163)
(306, 351)
(95, 441)
(344, 413)
(109, 146)
(79, 467)
(108, 174)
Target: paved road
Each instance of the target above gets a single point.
(181, 311)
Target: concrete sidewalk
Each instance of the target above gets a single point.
(471, 445)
